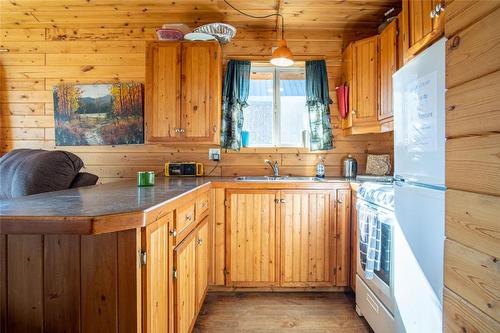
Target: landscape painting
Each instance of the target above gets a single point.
(98, 114)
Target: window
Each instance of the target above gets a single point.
(276, 115)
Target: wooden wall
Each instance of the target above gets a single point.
(472, 247)
(98, 47)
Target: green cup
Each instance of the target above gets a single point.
(145, 178)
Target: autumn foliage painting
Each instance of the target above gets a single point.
(100, 114)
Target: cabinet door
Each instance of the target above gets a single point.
(343, 230)
(347, 77)
(354, 240)
(201, 262)
(156, 272)
(388, 63)
(365, 75)
(201, 91)
(420, 28)
(251, 249)
(307, 238)
(185, 284)
(163, 92)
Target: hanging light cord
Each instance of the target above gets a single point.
(262, 17)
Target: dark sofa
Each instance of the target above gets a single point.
(31, 171)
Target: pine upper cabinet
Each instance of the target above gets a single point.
(388, 65)
(423, 23)
(201, 92)
(156, 272)
(183, 92)
(163, 91)
(201, 262)
(362, 79)
(251, 249)
(185, 302)
(307, 238)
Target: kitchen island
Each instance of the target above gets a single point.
(115, 257)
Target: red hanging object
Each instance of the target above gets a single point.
(343, 100)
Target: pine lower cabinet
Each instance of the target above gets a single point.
(201, 262)
(307, 238)
(190, 277)
(287, 238)
(156, 274)
(251, 236)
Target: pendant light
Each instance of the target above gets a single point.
(281, 56)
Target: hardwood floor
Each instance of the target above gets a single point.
(279, 312)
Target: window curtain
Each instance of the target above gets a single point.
(318, 105)
(234, 99)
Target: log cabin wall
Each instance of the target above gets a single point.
(85, 42)
(472, 246)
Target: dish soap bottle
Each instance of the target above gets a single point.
(320, 168)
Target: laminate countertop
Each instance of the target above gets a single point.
(113, 206)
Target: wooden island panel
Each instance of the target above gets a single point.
(70, 283)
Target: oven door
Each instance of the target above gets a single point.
(382, 282)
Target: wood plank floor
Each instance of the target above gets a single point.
(226, 312)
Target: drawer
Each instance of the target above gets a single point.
(185, 217)
(375, 313)
(201, 204)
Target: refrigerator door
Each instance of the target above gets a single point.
(418, 257)
(419, 117)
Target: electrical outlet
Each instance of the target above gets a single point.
(214, 154)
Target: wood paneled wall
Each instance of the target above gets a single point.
(47, 53)
(472, 269)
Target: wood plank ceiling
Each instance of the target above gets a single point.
(352, 15)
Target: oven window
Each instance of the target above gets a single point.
(385, 256)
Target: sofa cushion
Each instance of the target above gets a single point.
(31, 171)
(84, 179)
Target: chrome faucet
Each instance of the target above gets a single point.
(275, 166)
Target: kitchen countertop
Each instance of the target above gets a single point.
(110, 207)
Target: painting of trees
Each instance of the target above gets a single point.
(66, 100)
(127, 100)
(99, 114)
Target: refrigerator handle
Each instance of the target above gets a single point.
(398, 181)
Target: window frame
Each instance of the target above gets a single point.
(276, 71)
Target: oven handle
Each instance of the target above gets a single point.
(378, 210)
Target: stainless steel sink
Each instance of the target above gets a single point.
(278, 179)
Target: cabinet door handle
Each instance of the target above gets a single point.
(189, 217)
(199, 241)
(173, 233)
(276, 201)
(339, 201)
(282, 201)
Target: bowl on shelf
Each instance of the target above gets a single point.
(221, 31)
(169, 34)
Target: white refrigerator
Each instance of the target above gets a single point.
(419, 171)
